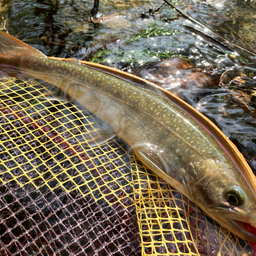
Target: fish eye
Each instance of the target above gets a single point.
(235, 196)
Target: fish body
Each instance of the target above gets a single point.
(167, 136)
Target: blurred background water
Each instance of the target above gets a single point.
(152, 40)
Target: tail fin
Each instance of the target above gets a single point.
(12, 49)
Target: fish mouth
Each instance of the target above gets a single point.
(248, 230)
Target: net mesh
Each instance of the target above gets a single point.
(60, 196)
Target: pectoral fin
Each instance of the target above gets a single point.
(150, 156)
(154, 158)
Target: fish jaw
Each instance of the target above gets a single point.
(238, 222)
(246, 230)
(241, 223)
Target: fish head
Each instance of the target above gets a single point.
(226, 196)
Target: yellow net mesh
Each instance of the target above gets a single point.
(59, 196)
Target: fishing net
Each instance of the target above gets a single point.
(60, 196)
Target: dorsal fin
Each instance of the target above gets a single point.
(13, 48)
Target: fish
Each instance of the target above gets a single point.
(171, 138)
